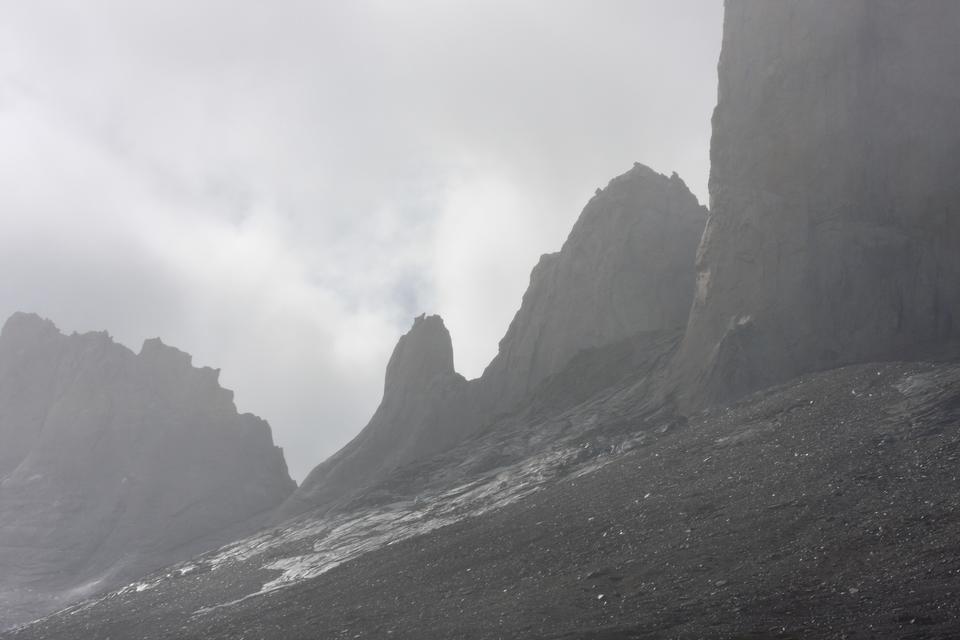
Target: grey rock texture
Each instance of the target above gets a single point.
(626, 267)
(419, 415)
(806, 511)
(115, 463)
(834, 232)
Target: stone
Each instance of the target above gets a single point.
(418, 416)
(834, 231)
(627, 267)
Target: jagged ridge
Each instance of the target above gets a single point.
(115, 463)
(626, 268)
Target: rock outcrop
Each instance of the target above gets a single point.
(626, 269)
(114, 463)
(421, 414)
(834, 232)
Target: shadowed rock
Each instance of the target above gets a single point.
(835, 206)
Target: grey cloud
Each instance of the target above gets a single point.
(277, 187)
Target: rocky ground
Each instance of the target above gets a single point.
(827, 508)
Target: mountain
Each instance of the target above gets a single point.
(626, 268)
(597, 481)
(115, 463)
(826, 508)
(418, 416)
(835, 204)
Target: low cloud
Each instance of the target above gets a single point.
(278, 188)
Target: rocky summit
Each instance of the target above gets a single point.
(626, 268)
(115, 463)
(835, 204)
(419, 416)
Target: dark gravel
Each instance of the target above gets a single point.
(828, 508)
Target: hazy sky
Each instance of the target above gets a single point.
(279, 187)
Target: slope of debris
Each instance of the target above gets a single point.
(825, 508)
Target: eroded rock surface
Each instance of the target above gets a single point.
(114, 463)
(835, 206)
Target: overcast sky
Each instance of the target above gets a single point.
(279, 187)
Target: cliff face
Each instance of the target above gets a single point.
(114, 463)
(421, 414)
(835, 206)
(625, 268)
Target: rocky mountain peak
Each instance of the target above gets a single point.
(158, 353)
(420, 414)
(626, 267)
(172, 370)
(22, 327)
(140, 459)
(422, 355)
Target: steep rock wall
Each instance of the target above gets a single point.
(834, 232)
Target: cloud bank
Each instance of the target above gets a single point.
(278, 188)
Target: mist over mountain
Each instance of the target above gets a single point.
(624, 269)
(627, 268)
(419, 415)
(116, 463)
(734, 423)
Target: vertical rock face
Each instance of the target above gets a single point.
(626, 267)
(834, 232)
(419, 415)
(114, 463)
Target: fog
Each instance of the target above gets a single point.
(279, 188)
